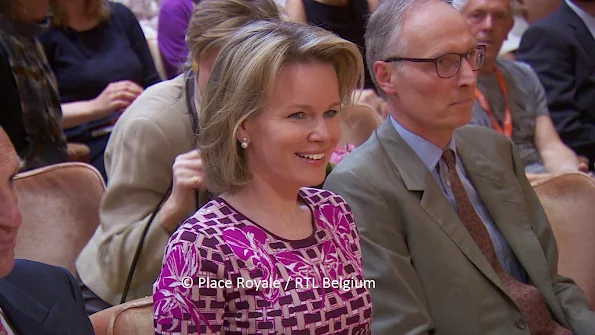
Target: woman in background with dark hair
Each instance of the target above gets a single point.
(102, 63)
(31, 113)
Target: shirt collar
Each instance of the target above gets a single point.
(427, 151)
(587, 18)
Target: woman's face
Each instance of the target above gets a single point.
(31, 10)
(291, 140)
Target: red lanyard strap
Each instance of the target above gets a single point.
(483, 102)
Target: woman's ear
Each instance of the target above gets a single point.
(243, 132)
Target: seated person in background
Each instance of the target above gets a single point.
(270, 120)
(346, 18)
(153, 148)
(561, 50)
(174, 16)
(510, 98)
(102, 62)
(35, 298)
(451, 231)
(31, 111)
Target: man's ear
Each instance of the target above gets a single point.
(384, 73)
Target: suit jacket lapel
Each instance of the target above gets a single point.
(503, 199)
(416, 177)
(25, 314)
(583, 34)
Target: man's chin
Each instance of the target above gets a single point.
(6, 264)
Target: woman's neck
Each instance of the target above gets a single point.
(75, 15)
(273, 208)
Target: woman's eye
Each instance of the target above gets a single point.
(298, 115)
(330, 113)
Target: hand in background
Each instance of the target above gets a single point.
(117, 96)
(188, 176)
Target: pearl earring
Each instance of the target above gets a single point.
(244, 144)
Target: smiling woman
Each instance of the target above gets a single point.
(270, 122)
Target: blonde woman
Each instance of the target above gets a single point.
(153, 149)
(269, 255)
(102, 63)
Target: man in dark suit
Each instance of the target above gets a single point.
(452, 233)
(561, 49)
(35, 298)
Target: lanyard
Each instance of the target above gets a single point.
(483, 102)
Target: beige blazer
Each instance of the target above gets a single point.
(138, 159)
(429, 274)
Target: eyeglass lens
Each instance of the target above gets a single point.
(448, 65)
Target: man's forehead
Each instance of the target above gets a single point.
(437, 29)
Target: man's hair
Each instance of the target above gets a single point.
(460, 4)
(384, 30)
(241, 81)
(213, 21)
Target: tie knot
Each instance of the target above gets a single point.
(449, 158)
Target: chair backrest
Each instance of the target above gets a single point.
(60, 209)
(568, 203)
(157, 58)
(131, 318)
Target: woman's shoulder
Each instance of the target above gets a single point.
(320, 197)
(120, 13)
(210, 221)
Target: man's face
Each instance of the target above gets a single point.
(490, 21)
(423, 102)
(10, 217)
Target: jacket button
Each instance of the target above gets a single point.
(521, 324)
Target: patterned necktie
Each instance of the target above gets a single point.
(527, 298)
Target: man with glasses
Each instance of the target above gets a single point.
(452, 234)
(509, 96)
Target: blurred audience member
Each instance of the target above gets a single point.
(269, 123)
(174, 16)
(102, 62)
(146, 12)
(540, 9)
(35, 298)
(346, 18)
(452, 233)
(154, 146)
(509, 96)
(31, 111)
(561, 49)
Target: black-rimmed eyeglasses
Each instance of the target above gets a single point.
(448, 65)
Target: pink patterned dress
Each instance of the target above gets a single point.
(223, 273)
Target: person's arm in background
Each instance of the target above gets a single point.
(556, 156)
(138, 160)
(139, 44)
(548, 53)
(174, 17)
(117, 96)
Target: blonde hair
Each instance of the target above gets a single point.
(213, 21)
(94, 9)
(242, 79)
